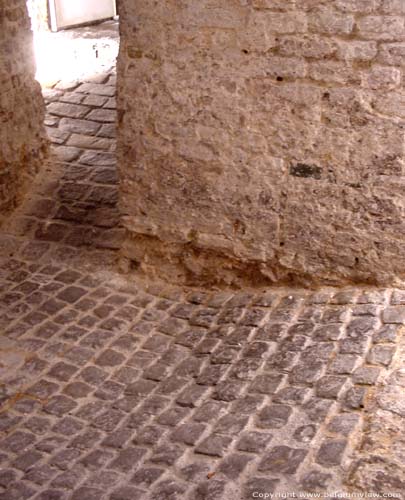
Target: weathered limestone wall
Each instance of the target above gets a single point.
(264, 138)
(22, 139)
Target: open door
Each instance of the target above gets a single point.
(68, 13)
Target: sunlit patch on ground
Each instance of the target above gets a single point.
(75, 53)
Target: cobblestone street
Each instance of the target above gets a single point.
(117, 388)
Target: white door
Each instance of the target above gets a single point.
(66, 13)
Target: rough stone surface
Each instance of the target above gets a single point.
(110, 391)
(263, 139)
(22, 135)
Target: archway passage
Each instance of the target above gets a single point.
(74, 199)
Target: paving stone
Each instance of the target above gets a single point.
(228, 390)
(282, 459)
(235, 336)
(303, 373)
(127, 493)
(317, 409)
(214, 445)
(41, 474)
(365, 310)
(331, 386)
(17, 441)
(266, 384)
(355, 397)
(282, 361)
(395, 314)
(173, 416)
(72, 294)
(108, 130)
(64, 459)
(26, 460)
(256, 350)
(245, 369)
(98, 159)
(100, 115)
(231, 424)
(60, 405)
(344, 424)
(88, 142)
(274, 416)
(7, 422)
(18, 491)
(67, 426)
(188, 433)
(260, 486)
(97, 89)
(85, 493)
(254, 442)
(172, 385)
(331, 453)
(212, 374)
(94, 100)
(96, 458)
(247, 405)
(305, 433)
(50, 444)
(209, 410)
(166, 454)
(108, 420)
(104, 479)
(209, 490)
(316, 479)
(234, 464)
(357, 346)
(381, 355)
(366, 375)
(190, 367)
(190, 396)
(37, 425)
(168, 489)
(62, 371)
(146, 476)
(291, 395)
(127, 459)
(110, 358)
(387, 333)
(67, 110)
(344, 364)
(149, 435)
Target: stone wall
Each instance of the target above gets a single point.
(22, 139)
(264, 139)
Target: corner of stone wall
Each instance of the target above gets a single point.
(264, 138)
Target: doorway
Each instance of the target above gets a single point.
(74, 200)
(67, 13)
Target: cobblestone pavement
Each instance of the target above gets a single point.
(116, 388)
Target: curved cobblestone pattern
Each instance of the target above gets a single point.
(118, 389)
